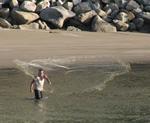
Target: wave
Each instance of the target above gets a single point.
(81, 67)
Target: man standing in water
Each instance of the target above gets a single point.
(38, 83)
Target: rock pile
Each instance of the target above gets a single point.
(77, 15)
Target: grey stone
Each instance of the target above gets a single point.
(31, 26)
(56, 15)
(132, 26)
(74, 29)
(121, 3)
(76, 23)
(99, 25)
(146, 17)
(28, 6)
(22, 17)
(4, 23)
(75, 2)
(42, 5)
(86, 17)
(4, 12)
(147, 8)
(139, 22)
(68, 5)
(106, 1)
(82, 8)
(132, 5)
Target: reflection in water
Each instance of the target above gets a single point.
(76, 97)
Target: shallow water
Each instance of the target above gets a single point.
(89, 93)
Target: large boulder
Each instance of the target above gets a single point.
(4, 12)
(56, 15)
(86, 17)
(4, 23)
(82, 7)
(28, 6)
(99, 25)
(21, 17)
(42, 5)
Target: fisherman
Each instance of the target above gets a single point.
(37, 84)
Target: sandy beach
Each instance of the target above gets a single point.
(29, 45)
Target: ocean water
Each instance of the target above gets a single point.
(84, 90)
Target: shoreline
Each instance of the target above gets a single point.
(30, 45)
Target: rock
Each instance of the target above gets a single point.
(4, 12)
(131, 16)
(56, 15)
(61, 2)
(29, 26)
(132, 5)
(86, 17)
(145, 28)
(132, 26)
(4, 23)
(147, 8)
(139, 22)
(75, 2)
(43, 25)
(121, 3)
(99, 25)
(74, 29)
(14, 4)
(111, 10)
(28, 6)
(137, 11)
(144, 2)
(95, 4)
(68, 5)
(121, 26)
(146, 17)
(78, 24)
(122, 16)
(82, 8)
(42, 5)
(101, 13)
(106, 1)
(23, 17)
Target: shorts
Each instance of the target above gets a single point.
(38, 94)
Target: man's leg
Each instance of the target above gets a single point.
(37, 94)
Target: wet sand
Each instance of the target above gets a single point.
(29, 45)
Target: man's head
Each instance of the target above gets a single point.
(41, 72)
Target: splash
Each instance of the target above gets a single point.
(77, 67)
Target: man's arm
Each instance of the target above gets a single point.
(47, 79)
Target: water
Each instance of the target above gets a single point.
(84, 90)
